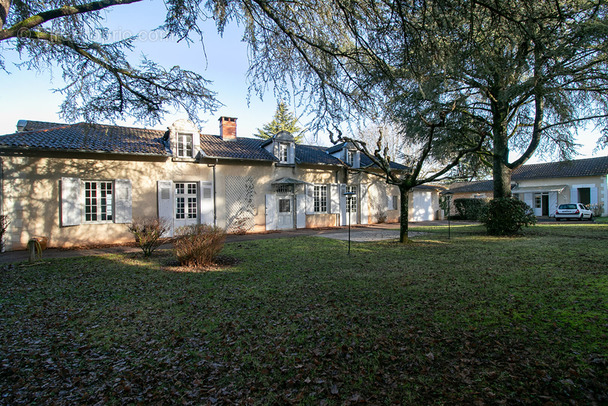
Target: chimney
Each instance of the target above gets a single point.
(227, 128)
(21, 125)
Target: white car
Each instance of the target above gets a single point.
(575, 211)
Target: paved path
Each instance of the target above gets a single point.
(359, 233)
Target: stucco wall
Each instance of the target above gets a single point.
(31, 192)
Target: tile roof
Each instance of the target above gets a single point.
(311, 154)
(367, 163)
(239, 148)
(564, 169)
(42, 135)
(472, 187)
(90, 138)
(430, 186)
(31, 125)
(336, 148)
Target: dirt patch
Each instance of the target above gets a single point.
(220, 263)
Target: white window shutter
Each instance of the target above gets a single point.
(310, 201)
(529, 199)
(552, 203)
(573, 195)
(364, 204)
(593, 195)
(271, 212)
(334, 198)
(122, 200)
(343, 214)
(389, 202)
(71, 206)
(357, 159)
(196, 144)
(301, 211)
(291, 153)
(206, 202)
(165, 203)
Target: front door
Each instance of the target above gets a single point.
(541, 204)
(285, 214)
(351, 204)
(186, 204)
(545, 204)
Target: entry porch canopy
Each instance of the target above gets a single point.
(539, 189)
(289, 181)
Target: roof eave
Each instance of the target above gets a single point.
(85, 151)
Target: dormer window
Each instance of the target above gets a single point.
(350, 157)
(283, 153)
(282, 146)
(184, 145)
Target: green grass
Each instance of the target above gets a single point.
(472, 319)
(601, 219)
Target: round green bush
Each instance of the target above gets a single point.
(470, 209)
(507, 216)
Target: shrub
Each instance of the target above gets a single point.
(470, 209)
(197, 245)
(381, 216)
(148, 232)
(597, 209)
(3, 226)
(507, 216)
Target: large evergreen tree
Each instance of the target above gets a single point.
(283, 120)
(101, 83)
(526, 73)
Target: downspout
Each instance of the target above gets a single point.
(214, 193)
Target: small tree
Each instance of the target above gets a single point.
(198, 245)
(283, 120)
(446, 141)
(148, 232)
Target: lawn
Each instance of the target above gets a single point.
(469, 320)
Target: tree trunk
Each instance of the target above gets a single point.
(502, 178)
(4, 6)
(404, 191)
(500, 171)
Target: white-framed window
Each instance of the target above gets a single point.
(98, 201)
(95, 201)
(350, 157)
(184, 145)
(284, 153)
(351, 200)
(395, 203)
(320, 199)
(186, 200)
(537, 201)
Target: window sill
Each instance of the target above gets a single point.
(284, 164)
(183, 159)
(96, 222)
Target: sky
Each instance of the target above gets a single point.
(29, 94)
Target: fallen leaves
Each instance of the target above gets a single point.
(315, 331)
